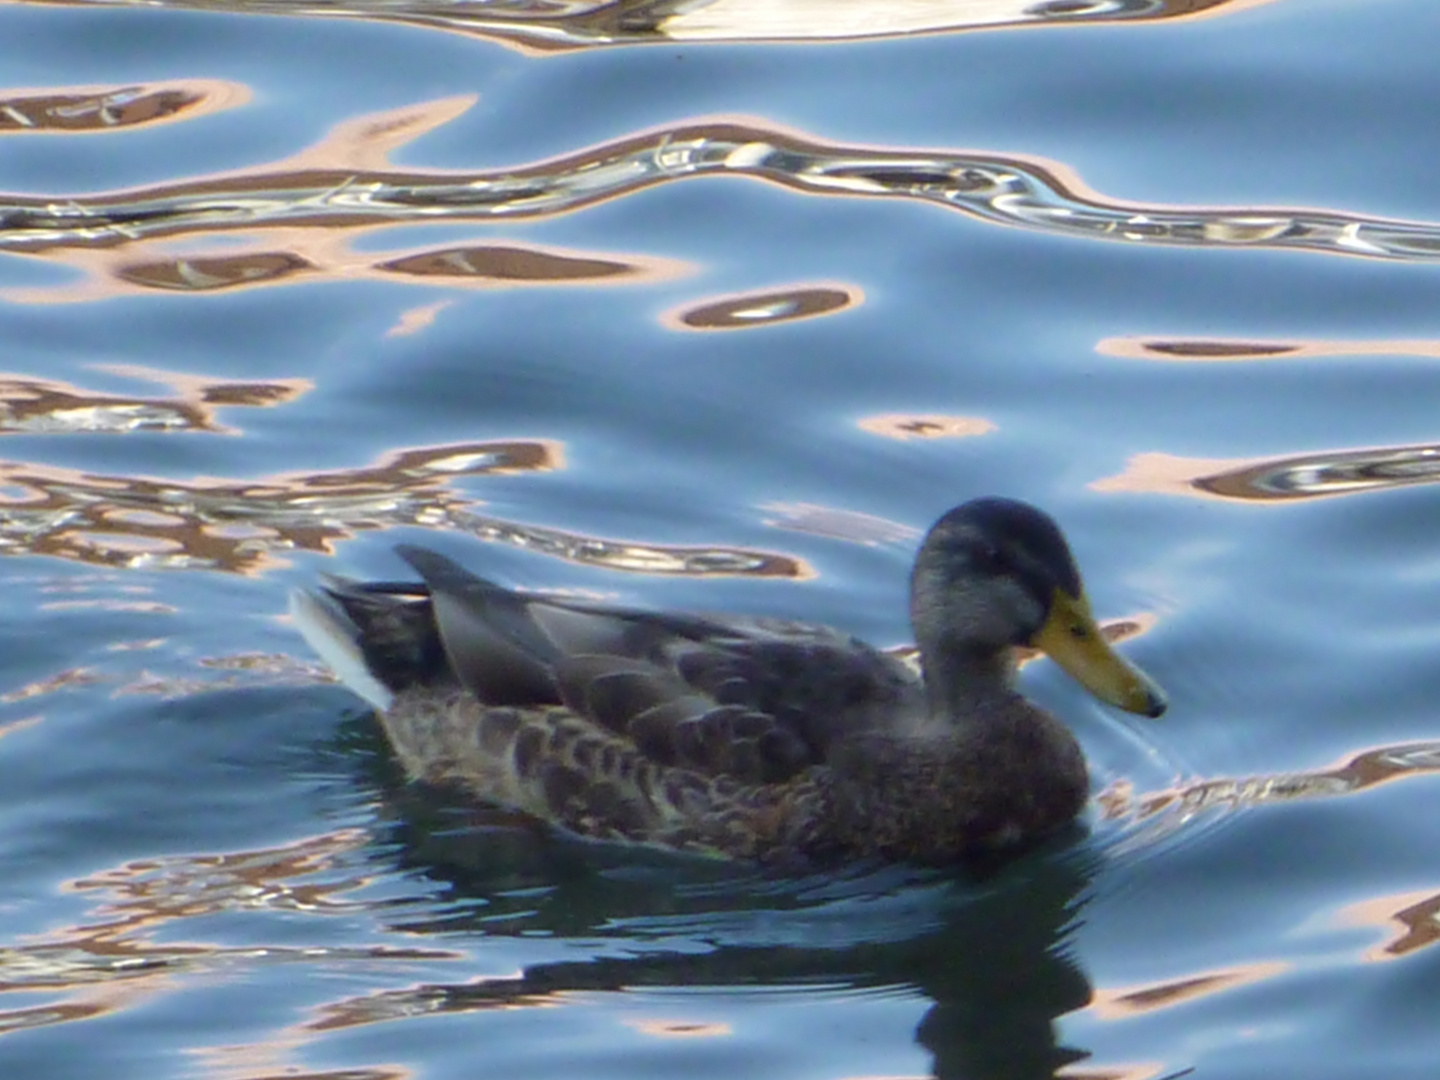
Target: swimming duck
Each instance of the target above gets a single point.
(751, 738)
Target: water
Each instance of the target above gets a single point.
(646, 303)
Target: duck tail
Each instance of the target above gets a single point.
(377, 638)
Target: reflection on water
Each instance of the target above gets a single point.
(764, 308)
(36, 406)
(1284, 479)
(328, 257)
(114, 962)
(82, 110)
(541, 26)
(64, 680)
(116, 520)
(836, 524)
(986, 959)
(430, 939)
(120, 956)
(1412, 920)
(240, 525)
(903, 426)
(473, 265)
(345, 186)
(1154, 815)
(1126, 1002)
(1222, 349)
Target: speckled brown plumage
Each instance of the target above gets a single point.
(745, 737)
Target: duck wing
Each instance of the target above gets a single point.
(759, 700)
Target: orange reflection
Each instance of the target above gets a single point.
(33, 406)
(1133, 1001)
(243, 670)
(904, 426)
(114, 963)
(265, 1063)
(742, 311)
(243, 526)
(417, 319)
(1281, 479)
(73, 514)
(681, 1029)
(298, 256)
(1141, 1071)
(11, 727)
(146, 894)
(563, 25)
(117, 240)
(483, 995)
(346, 186)
(1161, 813)
(78, 110)
(63, 680)
(1412, 918)
(1227, 349)
(500, 264)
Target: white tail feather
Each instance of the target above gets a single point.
(333, 639)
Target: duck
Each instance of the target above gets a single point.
(745, 737)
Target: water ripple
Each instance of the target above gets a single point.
(345, 183)
(97, 110)
(1281, 479)
(1154, 817)
(538, 27)
(244, 525)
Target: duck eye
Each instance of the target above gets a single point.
(988, 558)
(1078, 632)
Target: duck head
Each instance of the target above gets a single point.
(993, 574)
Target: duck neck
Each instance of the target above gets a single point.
(961, 684)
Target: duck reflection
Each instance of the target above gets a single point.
(989, 953)
(990, 958)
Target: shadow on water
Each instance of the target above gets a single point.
(987, 951)
(430, 910)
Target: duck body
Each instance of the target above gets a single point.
(750, 738)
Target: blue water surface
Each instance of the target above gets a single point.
(686, 307)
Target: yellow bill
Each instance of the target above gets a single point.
(1071, 637)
